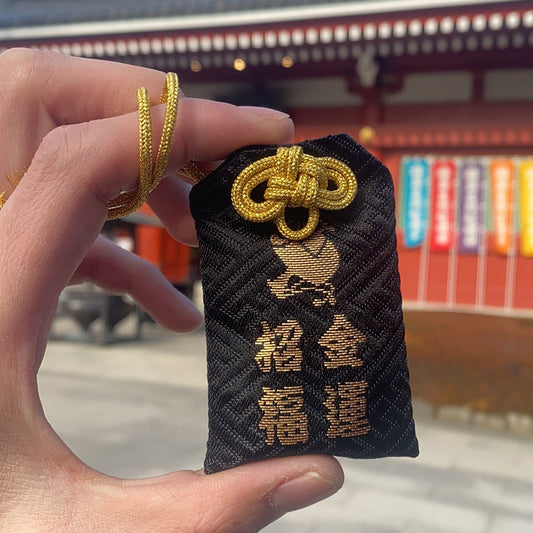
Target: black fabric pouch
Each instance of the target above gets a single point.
(305, 338)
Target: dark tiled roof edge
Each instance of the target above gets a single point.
(61, 12)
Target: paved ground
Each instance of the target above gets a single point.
(484, 362)
(139, 409)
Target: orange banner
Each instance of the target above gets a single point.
(526, 208)
(501, 178)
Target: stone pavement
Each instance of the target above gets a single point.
(136, 409)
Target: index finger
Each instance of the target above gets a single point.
(75, 89)
(56, 212)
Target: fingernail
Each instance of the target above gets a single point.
(302, 491)
(266, 112)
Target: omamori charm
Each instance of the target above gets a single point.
(305, 335)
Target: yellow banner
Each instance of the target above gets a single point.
(526, 208)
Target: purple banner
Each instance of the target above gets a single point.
(471, 187)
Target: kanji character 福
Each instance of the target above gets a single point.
(283, 415)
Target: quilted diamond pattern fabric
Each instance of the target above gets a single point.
(305, 341)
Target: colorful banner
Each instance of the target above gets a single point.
(526, 208)
(471, 185)
(442, 206)
(416, 200)
(501, 176)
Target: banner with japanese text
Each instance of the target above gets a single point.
(465, 227)
(526, 208)
(471, 187)
(415, 201)
(443, 175)
(501, 179)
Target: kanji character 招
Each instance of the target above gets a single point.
(280, 347)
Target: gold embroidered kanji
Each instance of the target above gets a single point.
(310, 266)
(346, 405)
(341, 342)
(280, 347)
(283, 415)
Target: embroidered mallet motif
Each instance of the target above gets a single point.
(283, 415)
(310, 263)
(293, 179)
(280, 347)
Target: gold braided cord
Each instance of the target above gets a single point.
(169, 96)
(149, 175)
(14, 180)
(15, 177)
(191, 171)
(293, 179)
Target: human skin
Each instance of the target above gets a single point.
(72, 124)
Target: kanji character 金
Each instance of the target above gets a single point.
(341, 343)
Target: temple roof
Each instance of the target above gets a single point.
(213, 37)
(31, 13)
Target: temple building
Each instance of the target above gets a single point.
(441, 92)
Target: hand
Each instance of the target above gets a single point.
(72, 123)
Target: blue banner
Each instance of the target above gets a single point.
(416, 201)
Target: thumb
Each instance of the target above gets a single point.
(247, 498)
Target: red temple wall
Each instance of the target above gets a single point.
(484, 282)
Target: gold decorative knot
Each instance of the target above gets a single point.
(293, 179)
